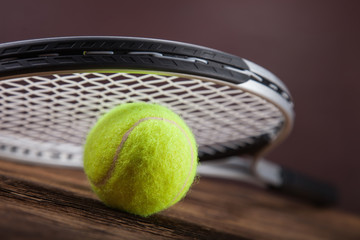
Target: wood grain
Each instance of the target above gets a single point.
(45, 202)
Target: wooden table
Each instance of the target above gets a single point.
(56, 203)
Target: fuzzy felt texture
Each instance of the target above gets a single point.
(140, 158)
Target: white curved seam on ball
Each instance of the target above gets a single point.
(118, 150)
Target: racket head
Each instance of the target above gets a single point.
(54, 90)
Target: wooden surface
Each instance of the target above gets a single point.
(55, 203)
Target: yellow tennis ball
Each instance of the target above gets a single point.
(140, 158)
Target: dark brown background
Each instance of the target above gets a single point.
(313, 46)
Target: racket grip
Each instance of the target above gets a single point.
(307, 188)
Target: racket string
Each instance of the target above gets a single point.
(61, 108)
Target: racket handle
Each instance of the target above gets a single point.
(305, 187)
(299, 185)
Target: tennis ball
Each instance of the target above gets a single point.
(140, 158)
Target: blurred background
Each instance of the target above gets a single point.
(313, 46)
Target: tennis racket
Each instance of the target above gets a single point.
(53, 90)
